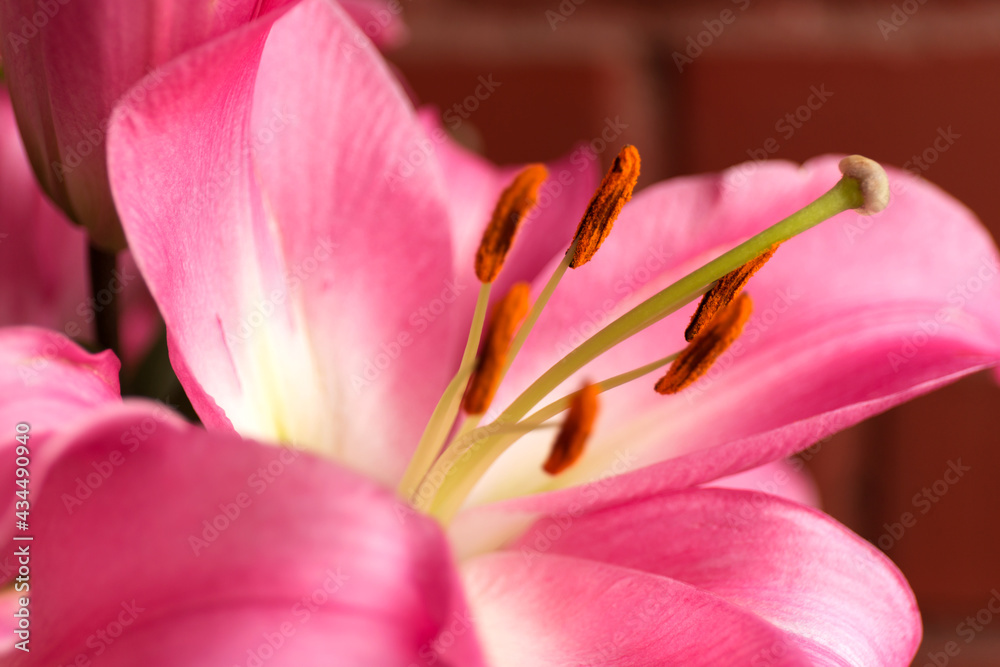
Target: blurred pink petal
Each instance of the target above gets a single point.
(48, 381)
(380, 20)
(788, 479)
(267, 553)
(833, 595)
(556, 611)
(43, 263)
(42, 257)
(67, 76)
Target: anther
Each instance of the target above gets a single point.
(506, 318)
(515, 202)
(702, 352)
(871, 179)
(725, 290)
(569, 444)
(613, 193)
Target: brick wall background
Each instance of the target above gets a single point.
(703, 85)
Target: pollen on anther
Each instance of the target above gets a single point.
(514, 203)
(613, 193)
(576, 429)
(707, 346)
(506, 317)
(727, 288)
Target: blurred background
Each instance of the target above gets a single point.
(699, 86)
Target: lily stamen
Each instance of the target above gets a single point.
(864, 187)
(613, 193)
(514, 204)
(723, 293)
(576, 429)
(507, 317)
(707, 346)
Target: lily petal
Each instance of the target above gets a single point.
(48, 381)
(43, 255)
(853, 317)
(312, 315)
(841, 601)
(380, 20)
(555, 610)
(267, 552)
(788, 479)
(40, 252)
(474, 185)
(66, 76)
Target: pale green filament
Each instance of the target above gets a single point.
(464, 463)
(525, 329)
(462, 446)
(446, 410)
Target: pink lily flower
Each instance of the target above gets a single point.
(313, 269)
(43, 261)
(277, 557)
(69, 63)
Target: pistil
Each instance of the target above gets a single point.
(864, 187)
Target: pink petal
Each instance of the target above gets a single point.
(203, 549)
(47, 381)
(69, 63)
(554, 610)
(306, 286)
(42, 257)
(840, 600)
(852, 317)
(788, 479)
(380, 20)
(474, 186)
